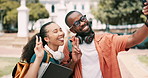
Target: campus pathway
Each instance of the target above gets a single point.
(10, 52)
(130, 66)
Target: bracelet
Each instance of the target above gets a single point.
(146, 23)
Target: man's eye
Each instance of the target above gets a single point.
(83, 19)
(76, 23)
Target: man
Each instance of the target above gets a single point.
(95, 55)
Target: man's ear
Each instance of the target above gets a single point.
(47, 39)
(72, 30)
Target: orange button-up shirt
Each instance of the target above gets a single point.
(108, 46)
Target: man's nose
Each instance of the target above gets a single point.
(82, 24)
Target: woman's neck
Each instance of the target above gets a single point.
(54, 48)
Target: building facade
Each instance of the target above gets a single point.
(59, 8)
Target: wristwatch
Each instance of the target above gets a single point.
(146, 23)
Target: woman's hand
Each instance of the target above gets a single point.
(34, 67)
(39, 50)
(76, 52)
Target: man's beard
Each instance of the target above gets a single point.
(85, 33)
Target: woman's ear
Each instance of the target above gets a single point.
(47, 39)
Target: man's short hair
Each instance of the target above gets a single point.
(68, 14)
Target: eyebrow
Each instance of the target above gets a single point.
(56, 29)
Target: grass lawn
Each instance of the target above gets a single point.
(7, 65)
(144, 59)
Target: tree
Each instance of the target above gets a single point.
(119, 12)
(32, 1)
(11, 19)
(37, 11)
(9, 13)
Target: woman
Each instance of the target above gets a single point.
(51, 36)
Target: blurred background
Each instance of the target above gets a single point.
(21, 19)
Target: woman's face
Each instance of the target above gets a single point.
(55, 35)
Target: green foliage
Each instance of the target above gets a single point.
(11, 17)
(37, 11)
(119, 12)
(9, 12)
(32, 1)
(7, 64)
(143, 59)
(7, 5)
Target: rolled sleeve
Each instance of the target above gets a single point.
(120, 42)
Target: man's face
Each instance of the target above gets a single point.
(78, 23)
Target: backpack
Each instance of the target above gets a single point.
(20, 70)
(22, 67)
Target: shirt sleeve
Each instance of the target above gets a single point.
(120, 42)
(34, 56)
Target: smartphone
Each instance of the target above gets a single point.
(143, 1)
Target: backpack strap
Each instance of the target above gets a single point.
(14, 71)
(48, 56)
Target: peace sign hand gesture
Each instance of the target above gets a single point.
(76, 52)
(39, 50)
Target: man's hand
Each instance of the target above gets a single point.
(141, 34)
(76, 52)
(145, 9)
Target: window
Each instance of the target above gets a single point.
(83, 7)
(52, 9)
(75, 7)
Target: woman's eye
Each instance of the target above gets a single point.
(55, 31)
(61, 30)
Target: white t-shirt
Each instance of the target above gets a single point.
(90, 61)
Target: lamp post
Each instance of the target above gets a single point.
(1, 22)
